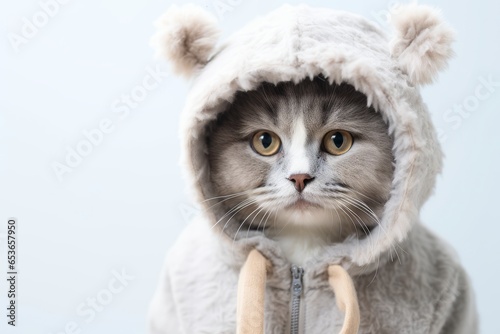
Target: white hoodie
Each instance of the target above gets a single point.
(406, 279)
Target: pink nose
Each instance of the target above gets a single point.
(300, 180)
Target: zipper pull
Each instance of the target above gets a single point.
(297, 274)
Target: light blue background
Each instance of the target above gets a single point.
(123, 206)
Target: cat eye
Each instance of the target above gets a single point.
(266, 143)
(337, 142)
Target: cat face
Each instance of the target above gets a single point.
(309, 155)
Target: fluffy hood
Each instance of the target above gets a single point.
(297, 42)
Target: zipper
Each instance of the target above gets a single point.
(297, 275)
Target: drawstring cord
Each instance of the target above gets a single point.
(251, 288)
(251, 291)
(347, 300)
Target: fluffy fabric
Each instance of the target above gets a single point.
(422, 44)
(406, 279)
(186, 36)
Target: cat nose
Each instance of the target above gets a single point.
(300, 180)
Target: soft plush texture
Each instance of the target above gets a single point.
(407, 280)
(186, 36)
(422, 44)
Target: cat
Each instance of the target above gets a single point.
(309, 164)
(311, 190)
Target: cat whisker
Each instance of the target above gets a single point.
(265, 223)
(365, 196)
(224, 200)
(236, 207)
(350, 218)
(251, 223)
(250, 202)
(243, 222)
(275, 217)
(343, 188)
(224, 196)
(340, 220)
(264, 216)
(358, 204)
(365, 228)
(361, 206)
(283, 227)
(251, 192)
(369, 211)
(362, 223)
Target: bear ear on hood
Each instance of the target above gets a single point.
(186, 36)
(422, 42)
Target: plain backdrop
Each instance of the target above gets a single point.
(121, 207)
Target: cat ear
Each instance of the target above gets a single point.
(422, 42)
(186, 36)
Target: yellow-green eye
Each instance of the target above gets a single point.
(266, 143)
(337, 142)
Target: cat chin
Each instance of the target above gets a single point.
(306, 216)
(303, 206)
(302, 233)
(299, 249)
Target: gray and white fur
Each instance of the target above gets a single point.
(346, 193)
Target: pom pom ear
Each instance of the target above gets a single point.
(186, 36)
(422, 43)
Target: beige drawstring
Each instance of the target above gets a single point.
(251, 291)
(347, 300)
